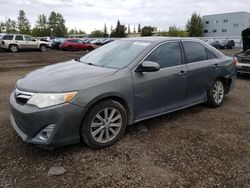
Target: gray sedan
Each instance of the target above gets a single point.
(94, 98)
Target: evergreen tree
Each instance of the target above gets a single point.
(134, 31)
(23, 23)
(139, 28)
(119, 31)
(195, 26)
(105, 32)
(128, 29)
(11, 26)
(56, 24)
(41, 28)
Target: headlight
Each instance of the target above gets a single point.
(42, 100)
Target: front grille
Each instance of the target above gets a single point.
(22, 96)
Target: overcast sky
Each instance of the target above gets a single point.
(88, 15)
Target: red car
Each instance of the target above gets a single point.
(75, 44)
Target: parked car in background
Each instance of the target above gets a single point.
(75, 44)
(95, 42)
(227, 44)
(243, 65)
(106, 41)
(16, 42)
(56, 42)
(94, 98)
(216, 44)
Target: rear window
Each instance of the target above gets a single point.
(8, 37)
(194, 52)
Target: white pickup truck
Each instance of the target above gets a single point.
(15, 42)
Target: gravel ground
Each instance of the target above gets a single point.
(195, 147)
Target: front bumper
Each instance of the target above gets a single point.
(29, 121)
(243, 68)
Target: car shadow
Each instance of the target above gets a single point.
(243, 76)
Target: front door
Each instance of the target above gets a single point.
(164, 90)
(30, 42)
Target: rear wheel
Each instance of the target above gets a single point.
(43, 48)
(104, 124)
(216, 94)
(13, 48)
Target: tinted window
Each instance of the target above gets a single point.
(166, 55)
(28, 38)
(19, 37)
(7, 37)
(194, 51)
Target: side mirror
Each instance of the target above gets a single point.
(34, 40)
(148, 66)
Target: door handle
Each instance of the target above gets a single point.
(182, 72)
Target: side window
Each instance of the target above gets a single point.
(28, 38)
(210, 55)
(8, 37)
(194, 51)
(167, 55)
(19, 37)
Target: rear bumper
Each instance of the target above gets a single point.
(28, 121)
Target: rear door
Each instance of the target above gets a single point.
(20, 41)
(164, 90)
(203, 68)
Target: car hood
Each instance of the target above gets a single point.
(62, 77)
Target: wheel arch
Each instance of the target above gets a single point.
(118, 98)
(13, 44)
(227, 81)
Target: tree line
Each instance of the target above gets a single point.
(54, 25)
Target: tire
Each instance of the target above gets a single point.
(43, 48)
(13, 48)
(100, 132)
(216, 94)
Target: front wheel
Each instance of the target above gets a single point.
(216, 94)
(104, 124)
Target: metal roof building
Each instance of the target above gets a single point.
(225, 25)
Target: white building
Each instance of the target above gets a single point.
(225, 25)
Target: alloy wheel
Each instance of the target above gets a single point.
(218, 92)
(13, 48)
(106, 125)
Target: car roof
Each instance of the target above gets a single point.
(160, 39)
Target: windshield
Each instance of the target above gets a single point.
(117, 54)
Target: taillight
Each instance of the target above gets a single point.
(235, 60)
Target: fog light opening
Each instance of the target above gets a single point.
(45, 134)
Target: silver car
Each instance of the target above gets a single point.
(16, 42)
(94, 98)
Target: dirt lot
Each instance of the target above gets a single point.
(196, 147)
